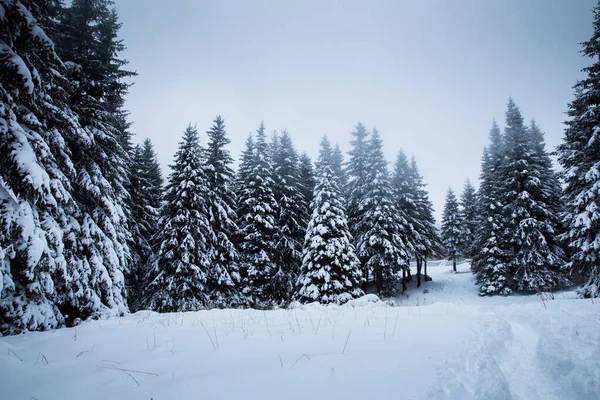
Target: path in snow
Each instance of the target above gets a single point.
(447, 343)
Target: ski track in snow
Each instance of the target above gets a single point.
(442, 341)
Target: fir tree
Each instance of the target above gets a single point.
(469, 216)
(245, 163)
(579, 155)
(180, 275)
(257, 214)
(337, 166)
(292, 219)
(223, 278)
(37, 209)
(307, 182)
(491, 262)
(146, 192)
(87, 42)
(357, 181)
(380, 244)
(530, 218)
(451, 228)
(429, 242)
(330, 271)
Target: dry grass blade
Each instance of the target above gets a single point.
(209, 337)
(346, 344)
(14, 354)
(43, 358)
(300, 358)
(86, 351)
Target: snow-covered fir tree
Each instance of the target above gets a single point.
(292, 217)
(356, 169)
(451, 228)
(405, 192)
(88, 45)
(530, 219)
(429, 242)
(245, 164)
(380, 244)
(307, 182)
(469, 216)
(145, 187)
(490, 263)
(330, 271)
(223, 277)
(579, 155)
(337, 166)
(179, 278)
(36, 204)
(257, 213)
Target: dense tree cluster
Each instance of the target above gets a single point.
(519, 203)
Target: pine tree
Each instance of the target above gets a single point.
(490, 264)
(179, 280)
(530, 219)
(579, 155)
(380, 244)
(451, 228)
(36, 204)
(307, 182)
(245, 163)
(330, 271)
(291, 220)
(469, 216)
(223, 278)
(337, 166)
(146, 192)
(429, 242)
(405, 191)
(257, 214)
(357, 182)
(87, 42)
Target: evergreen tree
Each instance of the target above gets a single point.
(579, 155)
(491, 262)
(451, 228)
(529, 215)
(179, 280)
(330, 271)
(87, 43)
(223, 278)
(469, 216)
(292, 219)
(245, 166)
(380, 244)
(37, 209)
(146, 192)
(257, 214)
(429, 242)
(337, 166)
(357, 182)
(307, 182)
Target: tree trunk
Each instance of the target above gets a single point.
(454, 264)
(403, 280)
(419, 263)
(425, 272)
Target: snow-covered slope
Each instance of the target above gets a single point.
(446, 343)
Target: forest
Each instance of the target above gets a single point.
(90, 228)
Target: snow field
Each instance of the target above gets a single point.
(502, 348)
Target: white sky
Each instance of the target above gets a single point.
(431, 75)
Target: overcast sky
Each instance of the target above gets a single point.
(430, 75)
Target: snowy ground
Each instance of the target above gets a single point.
(447, 343)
